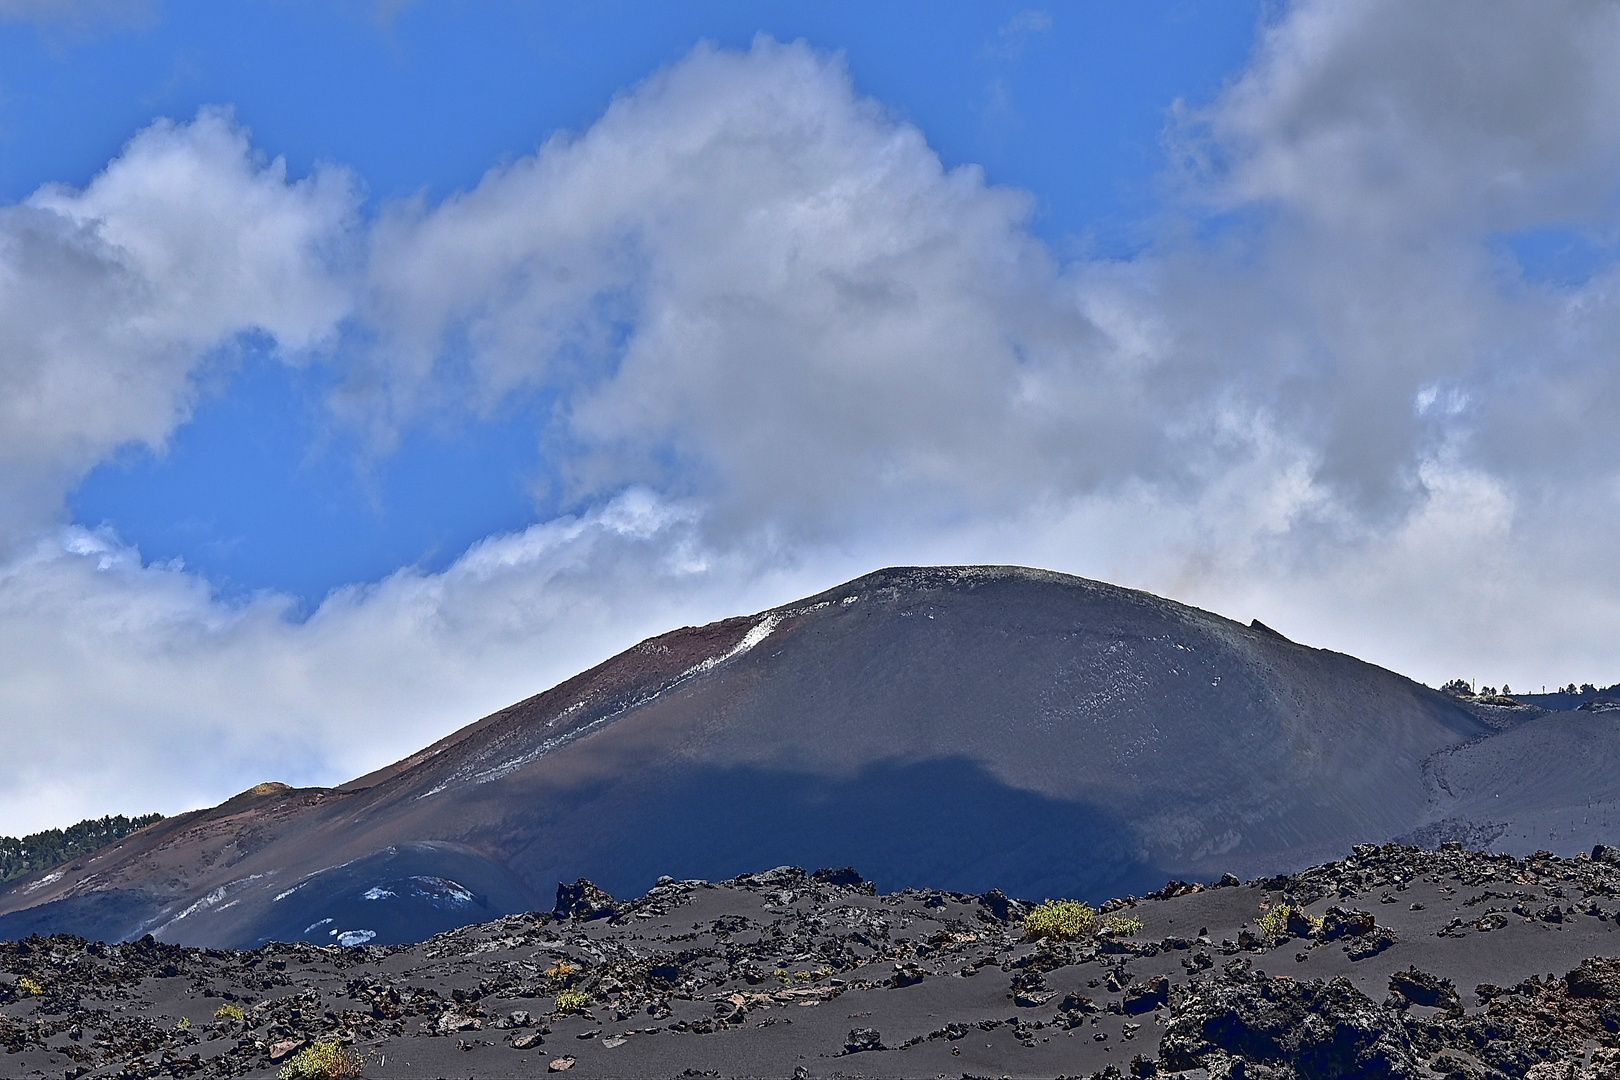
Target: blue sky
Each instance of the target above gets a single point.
(365, 367)
(257, 491)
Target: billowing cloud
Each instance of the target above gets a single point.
(1425, 119)
(786, 346)
(111, 298)
(754, 286)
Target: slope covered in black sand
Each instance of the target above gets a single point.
(1394, 962)
(950, 727)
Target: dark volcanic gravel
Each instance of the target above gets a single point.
(1395, 962)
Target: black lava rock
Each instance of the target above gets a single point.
(1320, 1030)
(862, 1039)
(1146, 996)
(1421, 988)
(582, 900)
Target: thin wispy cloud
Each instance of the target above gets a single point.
(1011, 38)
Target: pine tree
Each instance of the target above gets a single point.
(24, 855)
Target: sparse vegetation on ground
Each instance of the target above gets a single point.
(1122, 925)
(1061, 920)
(1274, 922)
(572, 1001)
(326, 1060)
(42, 850)
(1065, 920)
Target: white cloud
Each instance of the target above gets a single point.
(804, 281)
(788, 346)
(112, 297)
(828, 334)
(128, 686)
(1423, 118)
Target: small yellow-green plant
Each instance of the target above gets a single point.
(323, 1061)
(804, 976)
(1060, 919)
(562, 973)
(1274, 923)
(28, 986)
(184, 1023)
(230, 1011)
(571, 1001)
(1122, 925)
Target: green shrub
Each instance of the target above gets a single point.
(322, 1061)
(570, 1001)
(230, 1011)
(28, 986)
(1122, 925)
(1060, 919)
(1274, 923)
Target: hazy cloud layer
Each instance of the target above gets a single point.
(789, 347)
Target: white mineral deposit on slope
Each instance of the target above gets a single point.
(756, 634)
(444, 888)
(312, 875)
(210, 899)
(48, 879)
(466, 774)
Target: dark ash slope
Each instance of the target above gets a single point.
(959, 727)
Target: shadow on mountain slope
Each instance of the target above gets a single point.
(947, 822)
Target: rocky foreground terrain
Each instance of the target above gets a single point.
(1396, 961)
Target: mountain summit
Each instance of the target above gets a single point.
(956, 727)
